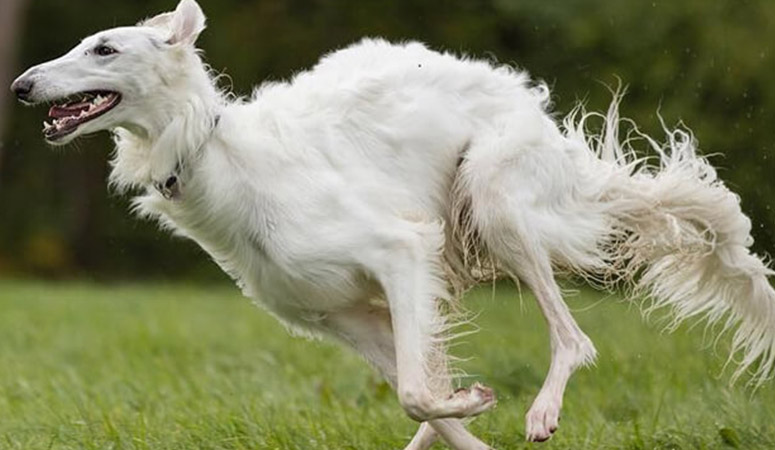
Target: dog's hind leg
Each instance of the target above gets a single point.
(570, 347)
(368, 330)
(515, 183)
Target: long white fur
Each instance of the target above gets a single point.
(389, 173)
(681, 237)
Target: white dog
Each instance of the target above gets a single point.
(362, 197)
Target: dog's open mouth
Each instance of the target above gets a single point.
(76, 110)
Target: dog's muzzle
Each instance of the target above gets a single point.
(22, 88)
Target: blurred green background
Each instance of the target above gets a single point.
(708, 63)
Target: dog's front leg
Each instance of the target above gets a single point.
(452, 431)
(414, 360)
(367, 329)
(425, 437)
(409, 274)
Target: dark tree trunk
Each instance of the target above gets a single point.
(11, 25)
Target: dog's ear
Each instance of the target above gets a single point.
(184, 24)
(160, 21)
(187, 22)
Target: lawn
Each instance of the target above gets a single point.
(160, 366)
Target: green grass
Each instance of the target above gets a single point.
(185, 367)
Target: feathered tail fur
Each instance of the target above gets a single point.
(677, 235)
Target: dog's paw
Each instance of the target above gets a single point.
(542, 419)
(473, 400)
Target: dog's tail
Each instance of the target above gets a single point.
(676, 234)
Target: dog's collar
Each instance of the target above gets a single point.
(170, 188)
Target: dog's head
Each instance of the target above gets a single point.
(121, 77)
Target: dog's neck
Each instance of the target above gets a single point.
(160, 147)
(171, 182)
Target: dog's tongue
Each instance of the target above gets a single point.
(68, 110)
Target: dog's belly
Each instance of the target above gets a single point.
(310, 291)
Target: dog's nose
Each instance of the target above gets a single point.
(22, 87)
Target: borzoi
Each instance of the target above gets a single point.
(361, 198)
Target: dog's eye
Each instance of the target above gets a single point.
(104, 50)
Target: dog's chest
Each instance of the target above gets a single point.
(283, 274)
